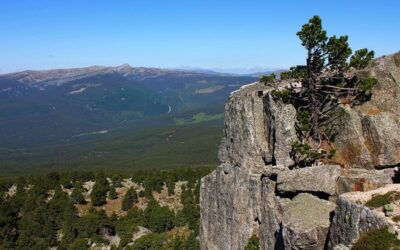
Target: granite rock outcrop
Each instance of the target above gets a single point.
(258, 189)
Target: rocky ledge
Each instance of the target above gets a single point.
(259, 190)
(360, 212)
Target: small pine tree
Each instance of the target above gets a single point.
(129, 199)
(112, 195)
(77, 196)
(99, 192)
(141, 194)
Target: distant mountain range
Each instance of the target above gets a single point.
(62, 105)
(254, 71)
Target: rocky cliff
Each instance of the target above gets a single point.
(257, 189)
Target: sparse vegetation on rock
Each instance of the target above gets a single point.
(253, 244)
(380, 200)
(377, 239)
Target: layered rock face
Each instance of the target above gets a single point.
(258, 190)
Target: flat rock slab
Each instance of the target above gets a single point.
(306, 222)
(310, 179)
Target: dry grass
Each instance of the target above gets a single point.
(111, 206)
(172, 201)
(180, 232)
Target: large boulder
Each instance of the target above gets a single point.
(306, 222)
(382, 138)
(319, 179)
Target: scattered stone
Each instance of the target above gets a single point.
(391, 229)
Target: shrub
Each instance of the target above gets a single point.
(383, 199)
(304, 154)
(127, 225)
(268, 79)
(141, 194)
(253, 244)
(77, 196)
(149, 241)
(296, 72)
(79, 244)
(378, 239)
(304, 119)
(367, 83)
(285, 75)
(117, 180)
(158, 219)
(284, 95)
(361, 58)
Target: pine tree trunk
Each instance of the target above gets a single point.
(312, 99)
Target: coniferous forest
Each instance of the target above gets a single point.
(78, 210)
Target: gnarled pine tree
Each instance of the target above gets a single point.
(327, 76)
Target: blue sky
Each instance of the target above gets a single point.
(192, 33)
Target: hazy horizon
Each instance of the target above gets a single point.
(239, 71)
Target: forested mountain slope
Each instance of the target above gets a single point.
(97, 115)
